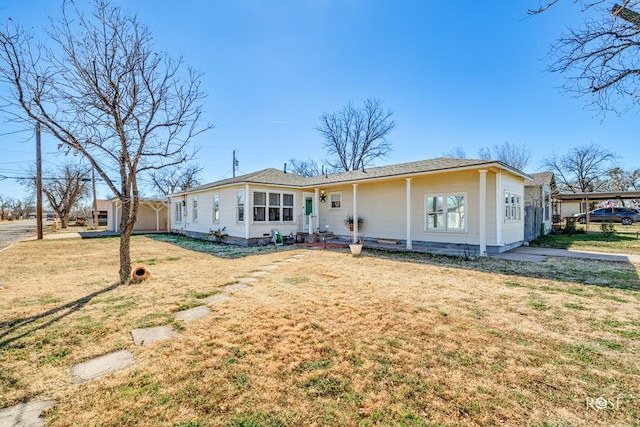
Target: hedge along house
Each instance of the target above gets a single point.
(442, 202)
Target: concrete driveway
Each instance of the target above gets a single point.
(532, 254)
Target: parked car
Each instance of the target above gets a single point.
(626, 216)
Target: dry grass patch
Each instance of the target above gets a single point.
(326, 339)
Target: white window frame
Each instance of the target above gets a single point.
(291, 206)
(194, 209)
(177, 216)
(216, 208)
(270, 208)
(444, 213)
(512, 206)
(339, 201)
(240, 207)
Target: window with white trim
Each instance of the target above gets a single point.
(547, 205)
(240, 206)
(272, 206)
(177, 211)
(194, 209)
(216, 207)
(336, 200)
(512, 206)
(287, 207)
(445, 212)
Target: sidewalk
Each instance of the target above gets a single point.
(533, 254)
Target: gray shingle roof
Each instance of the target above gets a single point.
(277, 177)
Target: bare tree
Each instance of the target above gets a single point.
(355, 137)
(516, 156)
(21, 207)
(176, 178)
(456, 152)
(583, 169)
(64, 188)
(103, 91)
(310, 168)
(600, 59)
(5, 203)
(623, 180)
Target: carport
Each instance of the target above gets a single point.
(586, 198)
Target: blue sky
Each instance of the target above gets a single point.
(472, 75)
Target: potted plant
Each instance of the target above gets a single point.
(349, 222)
(356, 247)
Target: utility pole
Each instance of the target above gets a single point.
(235, 163)
(38, 181)
(95, 199)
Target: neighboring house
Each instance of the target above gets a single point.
(152, 214)
(446, 202)
(540, 192)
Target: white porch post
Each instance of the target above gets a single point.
(157, 209)
(499, 209)
(409, 242)
(355, 213)
(248, 210)
(483, 213)
(316, 206)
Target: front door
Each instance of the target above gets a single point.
(307, 213)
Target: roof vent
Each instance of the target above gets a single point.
(285, 168)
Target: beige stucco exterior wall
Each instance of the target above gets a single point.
(382, 204)
(228, 213)
(512, 229)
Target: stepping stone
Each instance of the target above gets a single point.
(235, 287)
(216, 298)
(193, 313)
(258, 273)
(269, 267)
(102, 365)
(24, 414)
(146, 336)
(246, 279)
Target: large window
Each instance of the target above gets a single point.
(240, 206)
(512, 206)
(177, 211)
(216, 207)
(273, 207)
(446, 212)
(194, 209)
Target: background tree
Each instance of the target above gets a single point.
(5, 203)
(104, 91)
(583, 169)
(176, 178)
(600, 59)
(21, 207)
(514, 155)
(355, 137)
(309, 168)
(64, 188)
(456, 152)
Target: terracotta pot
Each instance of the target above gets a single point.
(140, 273)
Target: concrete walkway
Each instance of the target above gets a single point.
(533, 254)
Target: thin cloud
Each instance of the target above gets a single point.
(278, 122)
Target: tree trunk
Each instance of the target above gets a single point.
(64, 220)
(125, 256)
